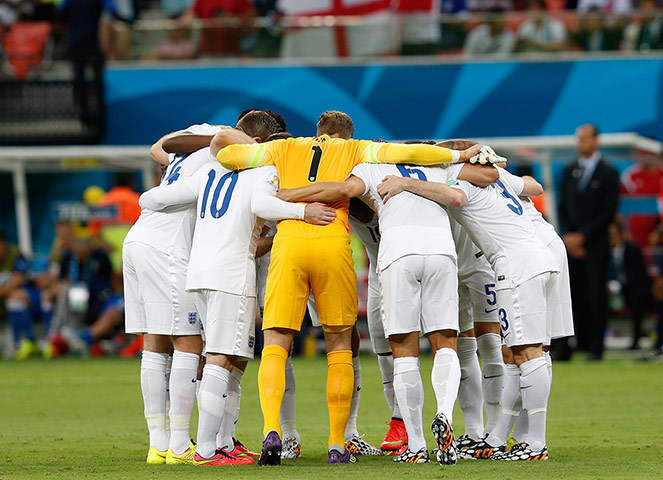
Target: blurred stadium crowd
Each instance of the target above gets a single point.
(73, 303)
(37, 32)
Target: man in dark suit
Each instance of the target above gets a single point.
(629, 270)
(588, 204)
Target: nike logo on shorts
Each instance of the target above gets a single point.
(490, 311)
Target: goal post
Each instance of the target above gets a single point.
(22, 161)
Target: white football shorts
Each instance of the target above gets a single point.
(419, 293)
(523, 310)
(476, 305)
(379, 341)
(561, 321)
(229, 322)
(155, 301)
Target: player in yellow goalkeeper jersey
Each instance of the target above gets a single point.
(319, 258)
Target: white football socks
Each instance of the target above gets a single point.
(351, 427)
(548, 358)
(169, 365)
(153, 385)
(490, 349)
(211, 407)
(470, 397)
(510, 397)
(409, 391)
(287, 415)
(224, 439)
(535, 389)
(182, 397)
(445, 378)
(386, 363)
(522, 424)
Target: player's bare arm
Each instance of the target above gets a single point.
(457, 144)
(157, 150)
(186, 143)
(479, 175)
(532, 188)
(265, 204)
(229, 136)
(264, 242)
(325, 192)
(438, 192)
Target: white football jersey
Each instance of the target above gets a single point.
(409, 224)
(544, 230)
(471, 260)
(369, 234)
(227, 232)
(496, 221)
(171, 230)
(262, 266)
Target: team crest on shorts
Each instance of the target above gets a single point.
(252, 341)
(193, 317)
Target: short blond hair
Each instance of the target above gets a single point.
(333, 122)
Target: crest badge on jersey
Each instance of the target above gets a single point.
(193, 317)
(252, 341)
(273, 181)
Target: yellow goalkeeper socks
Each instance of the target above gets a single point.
(340, 382)
(271, 385)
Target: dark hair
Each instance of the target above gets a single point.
(417, 142)
(457, 144)
(536, 3)
(275, 115)
(3, 237)
(124, 179)
(258, 123)
(333, 122)
(279, 136)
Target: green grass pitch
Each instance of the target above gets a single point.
(83, 419)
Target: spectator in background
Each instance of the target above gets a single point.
(178, 46)
(127, 210)
(593, 36)
(656, 241)
(266, 42)
(420, 26)
(588, 204)
(541, 32)
(630, 274)
(90, 269)
(645, 33)
(491, 37)
(643, 179)
(123, 197)
(608, 7)
(13, 276)
(487, 5)
(217, 39)
(453, 29)
(175, 8)
(82, 18)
